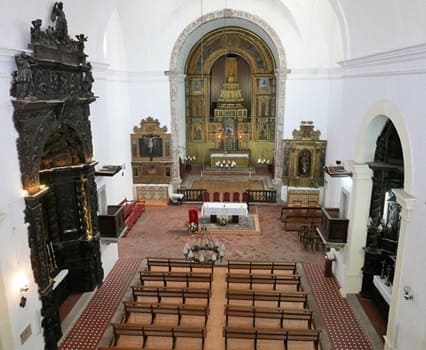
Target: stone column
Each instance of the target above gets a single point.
(177, 112)
(357, 230)
(407, 204)
(280, 76)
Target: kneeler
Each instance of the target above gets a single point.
(193, 215)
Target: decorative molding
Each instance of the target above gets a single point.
(408, 53)
(314, 73)
(7, 54)
(405, 61)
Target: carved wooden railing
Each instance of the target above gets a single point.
(192, 195)
(266, 196)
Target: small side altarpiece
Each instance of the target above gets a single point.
(151, 157)
(304, 157)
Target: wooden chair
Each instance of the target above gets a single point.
(226, 197)
(246, 197)
(216, 197)
(236, 197)
(206, 196)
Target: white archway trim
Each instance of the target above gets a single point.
(371, 127)
(407, 203)
(177, 88)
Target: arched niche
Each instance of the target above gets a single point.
(183, 46)
(239, 55)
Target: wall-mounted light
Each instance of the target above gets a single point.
(407, 293)
(23, 301)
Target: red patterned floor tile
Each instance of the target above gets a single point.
(343, 329)
(91, 326)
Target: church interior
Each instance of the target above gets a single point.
(212, 174)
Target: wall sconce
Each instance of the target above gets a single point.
(407, 293)
(23, 300)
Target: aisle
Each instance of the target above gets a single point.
(343, 329)
(94, 320)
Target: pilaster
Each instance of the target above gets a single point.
(407, 204)
(357, 230)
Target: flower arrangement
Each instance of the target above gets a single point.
(192, 227)
(222, 220)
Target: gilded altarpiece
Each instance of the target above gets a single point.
(151, 155)
(230, 96)
(304, 157)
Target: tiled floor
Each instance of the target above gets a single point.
(93, 321)
(162, 232)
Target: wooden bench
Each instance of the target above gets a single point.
(170, 292)
(172, 264)
(264, 295)
(165, 309)
(268, 313)
(141, 330)
(117, 348)
(260, 265)
(274, 280)
(165, 277)
(279, 334)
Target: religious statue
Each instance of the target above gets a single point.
(88, 81)
(304, 163)
(22, 78)
(58, 15)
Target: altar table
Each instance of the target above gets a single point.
(224, 209)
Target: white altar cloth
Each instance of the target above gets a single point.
(220, 208)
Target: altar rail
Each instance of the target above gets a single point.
(192, 195)
(266, 196)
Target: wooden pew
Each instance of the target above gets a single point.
(171, 292)
(266, 295)
(268, 313)
(141, 330)
(274, 280)
(172, 264)
(165, 309)
(279, 334)
(165, 277)
(273, 267)
(117, 348)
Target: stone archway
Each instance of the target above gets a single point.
(192, 33)
(377, 120)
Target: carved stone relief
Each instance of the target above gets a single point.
(53, 90)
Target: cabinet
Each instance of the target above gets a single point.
(112, 223)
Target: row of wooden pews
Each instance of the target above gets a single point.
(264, 307)
(169, 307)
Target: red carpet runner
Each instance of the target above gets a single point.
(91, 326)
(342, 327)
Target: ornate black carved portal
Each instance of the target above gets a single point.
(52, 90)
(383, 227)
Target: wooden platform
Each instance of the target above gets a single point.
(235, 229)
